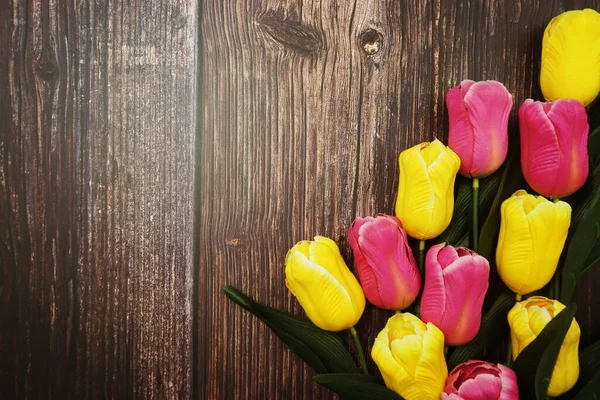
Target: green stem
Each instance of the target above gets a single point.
(475, 214)
(556, 281)
(359, 350)
(421, 256)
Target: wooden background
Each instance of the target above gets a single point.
(152, 152)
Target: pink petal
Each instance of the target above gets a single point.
(510, 390)
(481, 387)
(433, 301)
(446, 256)
(383, 246)
(460, 138)
(571, 126)
(488, 104)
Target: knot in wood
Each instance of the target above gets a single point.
(371, 41)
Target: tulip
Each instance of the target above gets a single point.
(526, 320)
(410, 357)
(554, 140)
(426, 189)
(317, 275)
(533, 231)
(456, 280)
(478, 118)
(480, 380)
(571, 57)
(386, 267)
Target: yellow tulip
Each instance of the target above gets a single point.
(317, 275)
(527, 319)
(571, 57)
(410, 357)
(425, 200)
(533, 231)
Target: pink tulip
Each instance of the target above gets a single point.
(480, 380)
(478, 119)
(387, 269)
(554, 138)
(456, 280)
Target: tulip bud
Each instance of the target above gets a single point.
(533, 231)
(410, 357)
(571, 57)
(478, 119)
(527, 319)
(456, 280)
(317, 275)
(554, 139)
(425, 200)
(387, 269)
(479, 380)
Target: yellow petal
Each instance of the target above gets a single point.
(426, 189)
(571, 57)
(338, 268)
(432, 371)
(326, 302)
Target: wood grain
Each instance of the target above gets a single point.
(97, 158)
(306, 106)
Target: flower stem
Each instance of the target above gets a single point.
(556, 280)
(359, 350)
(421, 256)
(475, 214)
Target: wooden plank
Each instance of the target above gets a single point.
(306, 107)
(96, 198)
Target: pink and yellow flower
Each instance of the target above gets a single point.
(456, 280)
(478, 120)
(554, 138)
(386, 266)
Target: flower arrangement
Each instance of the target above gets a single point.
(443, 317)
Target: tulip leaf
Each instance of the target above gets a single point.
(583, 246)
(535, 363)
(591, 390)
(356, 387)
(323, 351)
(493, 325)
(511, 180)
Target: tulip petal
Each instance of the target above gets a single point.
(326, 253)
(325, 300)
(571, 56)
(482, 386)
(466, 283)
(510, 390)
(539, 152)
(432, 371)
(460, 138)
(393, 271)
(489, 105)
(571, 127)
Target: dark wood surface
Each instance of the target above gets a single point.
(306, 107)
(152, 152)
(97, 156)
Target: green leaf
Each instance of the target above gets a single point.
(511, 180)
(323, 351)
(536, 362)
(493, 325)
(591, 390)
(583, 240)
(356, 387)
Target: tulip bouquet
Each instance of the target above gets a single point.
(445, 318)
